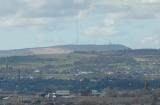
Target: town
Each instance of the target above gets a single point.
(81, 78)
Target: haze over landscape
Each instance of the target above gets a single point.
(35, 23)
(79, 52)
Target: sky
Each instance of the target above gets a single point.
(40, 23)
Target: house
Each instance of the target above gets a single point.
(50, 95)
(96, 93)
(62, 93)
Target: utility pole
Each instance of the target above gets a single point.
(77, 31)
(19, 74)
(6, 63)
(6, 73)
(146, 85)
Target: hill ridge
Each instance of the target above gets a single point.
(62, 49)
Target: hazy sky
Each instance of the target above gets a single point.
(35, 23)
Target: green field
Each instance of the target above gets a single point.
(115, 64)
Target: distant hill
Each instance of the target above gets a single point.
(88, 48)
(64, 49)
(34, 51)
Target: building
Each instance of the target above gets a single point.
(62, 93)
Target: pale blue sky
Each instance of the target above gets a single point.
(39, 23)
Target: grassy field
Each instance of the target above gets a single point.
(83, 65)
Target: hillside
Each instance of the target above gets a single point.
(34, 51)
(115, 64)
(89, 48)
(65, 49)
